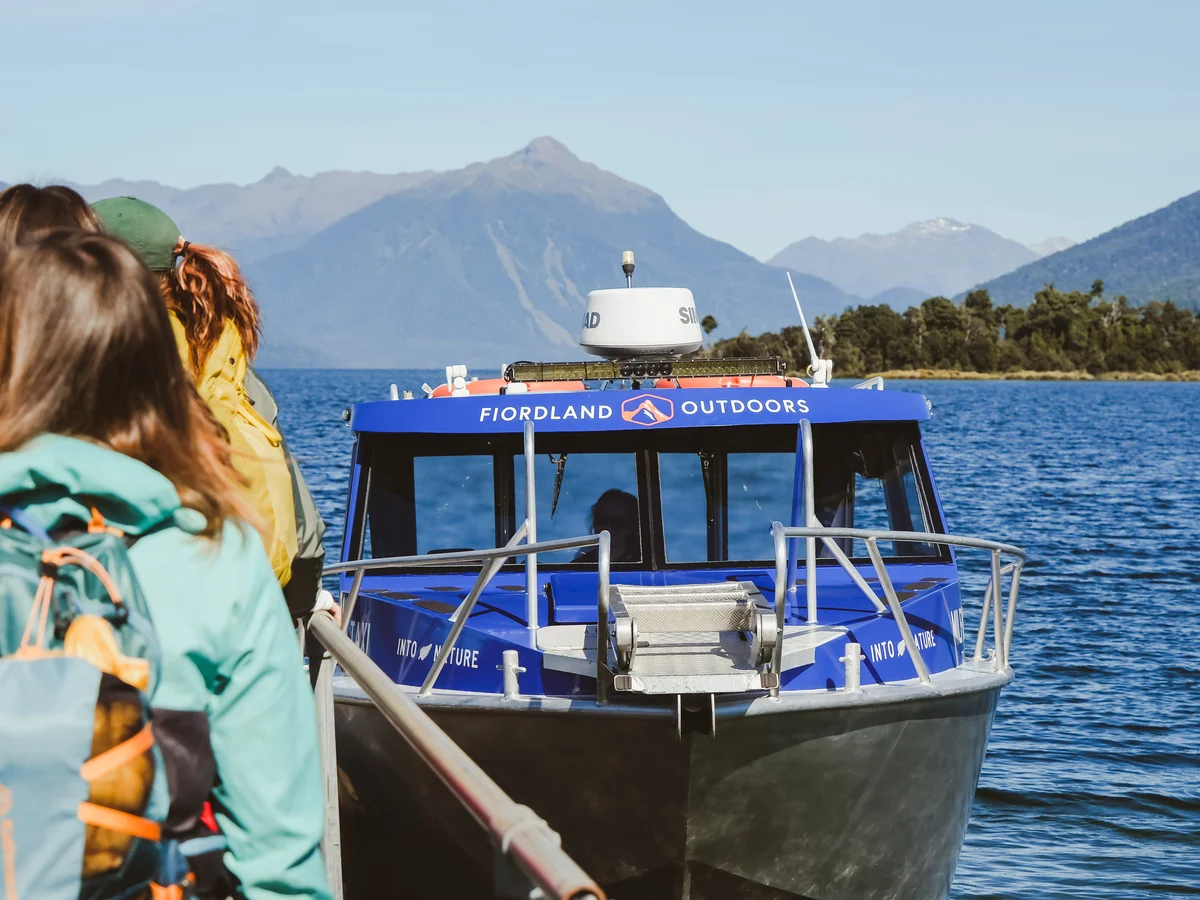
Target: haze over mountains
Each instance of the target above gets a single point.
(252, 221)
(937, 257)
(492, 262)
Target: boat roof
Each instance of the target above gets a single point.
(617, 409)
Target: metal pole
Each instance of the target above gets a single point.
(352, 599)
(331, 843)
(782, 557)
(1012, 610)
(840, 555)
(983, 620)
(603, 567)
(998, 613)
(810, 521)
(894, 602)
(520, 834)
(531, 579)
(464, 612)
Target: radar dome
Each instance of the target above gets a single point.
(628, 322)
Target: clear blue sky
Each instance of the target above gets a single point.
(760, 123)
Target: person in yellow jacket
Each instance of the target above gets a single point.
(216, 323)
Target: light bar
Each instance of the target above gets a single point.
(611, 370)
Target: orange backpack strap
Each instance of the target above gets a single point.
(98, 526)
(120, 822)
(115, 757)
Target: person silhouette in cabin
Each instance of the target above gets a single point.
(616, 512)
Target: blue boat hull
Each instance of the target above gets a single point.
(866, 800)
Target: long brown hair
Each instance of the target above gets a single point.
(26, 210)
(205, 290)
(86, 351)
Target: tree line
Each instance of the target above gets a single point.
(1059, 331)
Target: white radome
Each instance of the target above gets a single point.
(628, 322)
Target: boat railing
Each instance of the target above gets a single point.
(530, 856)
(492, 560)
(812, 531)
(1002, 619)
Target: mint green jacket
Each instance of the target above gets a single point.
(228, 648)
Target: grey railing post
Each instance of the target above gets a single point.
(998, 613)
(464, 611)
(840, 555)
(352, 598)
(604, 570)
(983, 620)
(531, 577)
(1012, 610)
(781, 588)
(894, 602)
(810, 521)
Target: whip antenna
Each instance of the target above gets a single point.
(821, 370)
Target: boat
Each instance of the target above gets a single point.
(704, 617)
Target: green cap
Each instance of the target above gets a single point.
(151, 233)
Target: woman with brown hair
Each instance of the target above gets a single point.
(216, 323)
(26, 210)
(97, 412)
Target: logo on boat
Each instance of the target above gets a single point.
(646, 409)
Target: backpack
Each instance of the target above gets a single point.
(258, 448)
(85, 790)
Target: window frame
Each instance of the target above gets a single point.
(375, 448)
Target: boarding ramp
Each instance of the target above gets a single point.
(691, 638)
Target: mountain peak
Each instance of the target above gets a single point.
(939, 225)
(548, 149)
(546, 166)
(279, 173)
(936, 256)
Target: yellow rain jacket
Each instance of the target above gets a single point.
(258, 452)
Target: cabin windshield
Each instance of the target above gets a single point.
(679, 498)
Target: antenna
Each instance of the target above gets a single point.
(821, 370)
(627, 267)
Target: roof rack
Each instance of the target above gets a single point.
(611, 370)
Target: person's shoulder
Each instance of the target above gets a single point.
(220, 572)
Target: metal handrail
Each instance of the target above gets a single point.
(1002, 620)
(361, 566)
(516, 831)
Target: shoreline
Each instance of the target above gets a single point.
(1191, 375)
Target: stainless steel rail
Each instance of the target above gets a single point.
(1002, 621)
(517, 833)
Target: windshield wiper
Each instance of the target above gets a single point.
(561, 463)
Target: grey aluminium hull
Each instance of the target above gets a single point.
(819, 795)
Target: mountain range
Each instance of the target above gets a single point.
(1154, 257)
(492, 262)
(940, 256)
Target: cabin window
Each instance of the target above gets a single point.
(759, 491)
(685, 513)
(870, 482)
(718, 503)
(431, 504)
(597, 492)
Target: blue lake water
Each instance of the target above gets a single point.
(1091, 786)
